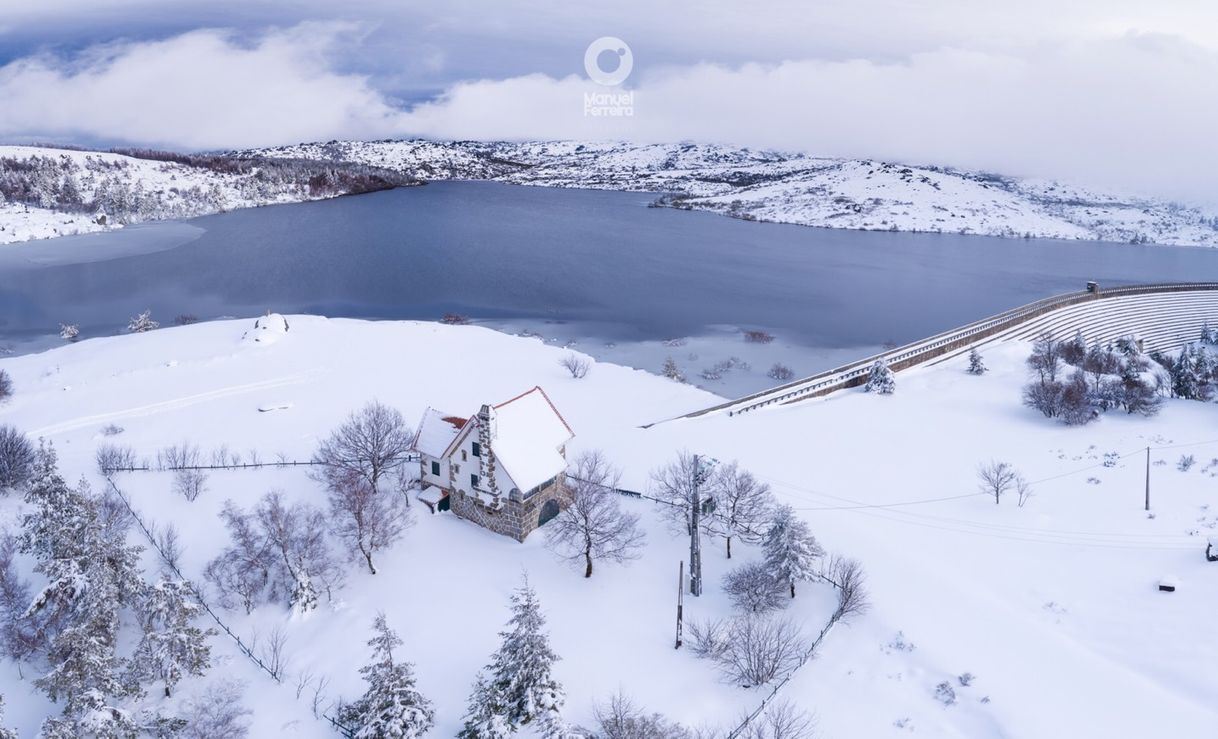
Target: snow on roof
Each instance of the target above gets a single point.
(528, 432)
(431, 494)
(436, 432)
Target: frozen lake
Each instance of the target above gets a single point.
(597, 268)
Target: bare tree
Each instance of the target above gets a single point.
(365, 520)
(761, 648)
(754, 589)
(1046, 359)
(242, 572)
(18, 639)
(620, 718)
(189, 483)
(177, 456)
(218, 713)
(114, 457)
(743, 506)
(1023, 489)
(17, 457)
(708, 639)
(170, 546)
(997, 479)
(679, 484)
(370, 443)
(847, 576)
(273, 652)
(593, 526)
(6, 386)
(575, 364)
(781, 720)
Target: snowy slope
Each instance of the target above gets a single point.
(1052, 606)
(798, 188)
(137, 190)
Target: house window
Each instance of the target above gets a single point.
(473, 480)
(435, 468)
(477, 449)
(463, 457)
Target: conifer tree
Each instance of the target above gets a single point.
(518, 687)
(975, 365)
(5, 733)
(91, 575)
(172, 646)
(392, 707)
(791, 550)
(880, 380)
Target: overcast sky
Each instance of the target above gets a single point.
(1113, 93)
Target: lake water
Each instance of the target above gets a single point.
(600, 268)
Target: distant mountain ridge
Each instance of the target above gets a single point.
(739, 182)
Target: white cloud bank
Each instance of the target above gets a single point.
(203, 89)
(1133, 111)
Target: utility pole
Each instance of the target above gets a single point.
(680, 600)
(695, 542)
(1148, 478)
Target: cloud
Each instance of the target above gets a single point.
(202, 89)
(1135, 112)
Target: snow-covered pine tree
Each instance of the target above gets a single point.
(975, 365)
(172, 647)
(791, 551)
(672, 371)
(519, 687)
(5, 733)
(69, 331)
(880, 380)
(1208, 335)
(392, 707)
(91, 575)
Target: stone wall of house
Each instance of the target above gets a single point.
(516, 518)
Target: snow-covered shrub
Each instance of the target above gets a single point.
(6, 386)
(966, 679)
(17, 458)
(454, 319)
(780, 372)
(880, 379)
(112, 429)
(392, 706)
(1074, 351)
(1186, 462)
(761, 648)
(975, 365)
(670, 370)
(1045, 396)
(218, 713)
(945, 693)
(708, 639)
(141, 323)
(754, 589)
(69, 331)
(846, 575)
(185, 319)
(576, 365)
(758, 337)
(5, 733)
(189, 483)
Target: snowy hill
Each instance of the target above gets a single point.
(56, 192)
(1051, 607)
(739, 182)
(797, 188)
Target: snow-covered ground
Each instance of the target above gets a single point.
(798, 188)
(1052, 606)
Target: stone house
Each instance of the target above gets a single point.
(502, 468)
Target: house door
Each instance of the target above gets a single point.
(443, 505)
(549, 510)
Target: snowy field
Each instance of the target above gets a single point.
(1052, 606)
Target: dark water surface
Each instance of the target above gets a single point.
(508, 252)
